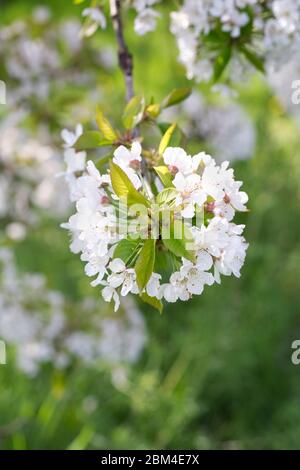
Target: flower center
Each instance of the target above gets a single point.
(226, 199)
(173, 169)
(135, 164)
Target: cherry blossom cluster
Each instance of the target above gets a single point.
(271, 27)
(94, 226)
(219, 244)
(199, 189)
(53, 330)
(244, 34)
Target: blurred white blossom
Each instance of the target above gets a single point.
(44, 327)
(95, 19)
(225, 127)
(40, 62)
(275, 25)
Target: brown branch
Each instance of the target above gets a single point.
(125, 58)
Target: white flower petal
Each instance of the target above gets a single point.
(117, 265)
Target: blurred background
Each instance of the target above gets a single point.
(215, 372)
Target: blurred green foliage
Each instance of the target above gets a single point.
(217, 371)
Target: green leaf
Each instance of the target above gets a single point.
(90, 140)
(103, 160)
(253, 59)
(166, 195)
(126, 249)
(176, 135)
(221, 62)
(105, 127)
(215, 37)
(123, 187)
(166, 262)
(179, 240)
(145, 263)
(153, 301)
(164, 143)
(134, 112)
(176, 96)
(164, 175)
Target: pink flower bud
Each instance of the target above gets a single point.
(209, 206)
(104, 200)
(173, 169)
(135, 164)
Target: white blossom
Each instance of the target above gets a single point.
(195, 277)
(225, 127)
(128, 160)
(276, 25)
(69, 137)
(120, 276)
(96, 18)
(43, 327)
(145, 21)
(199, 186)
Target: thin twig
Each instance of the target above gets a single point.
(125, 58)
(125, 62)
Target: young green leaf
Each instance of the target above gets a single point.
(166, 262)
(164, 175)
(153, 301)
(126, 249)
(221, 62)
(176, 134)
(90, 140)
(153, 109)
(253, 59)
(105, 127)
(180, 240)
(176, 96)
(145, 263)
(124, 188)
(164, 143)
(134, 112)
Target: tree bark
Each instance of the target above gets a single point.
(125, 58)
